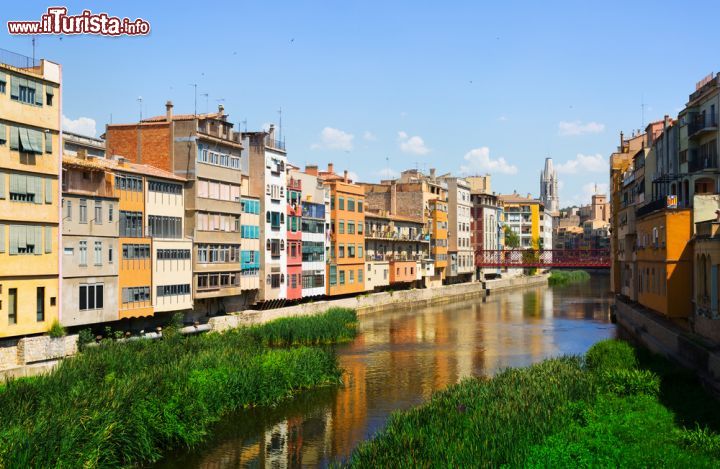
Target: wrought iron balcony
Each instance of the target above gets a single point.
(701, 123)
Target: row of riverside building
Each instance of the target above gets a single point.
(182, 213)
(665, 206)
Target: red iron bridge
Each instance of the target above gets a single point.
(544, 258)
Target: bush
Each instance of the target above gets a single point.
(562, 277)
(700, 439)
(334, 326)
(85, 337)
(124, 403)
(623, 382)
(56, 330)
(611, 355)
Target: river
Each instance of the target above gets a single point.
(398, 360)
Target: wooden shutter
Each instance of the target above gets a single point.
(39, 96)
(14, 87)
(48, 191)
(48, 142)
(2, 185)
(14, 138)
(2, 238)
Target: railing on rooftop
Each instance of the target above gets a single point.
(274, 143)
(18, 61)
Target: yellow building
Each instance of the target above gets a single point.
(29, 194)
(439, 235)
(522, 216)
(664, 260)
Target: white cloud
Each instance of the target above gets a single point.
(583, 164)
(415, 144)
(502, 119)
(578, 128)
(479, 161)
(81, 125)
(334, 139)
(352, 175)
(369, 136)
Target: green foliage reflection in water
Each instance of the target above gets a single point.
(123, 404)
(563, 277)
(564, 412)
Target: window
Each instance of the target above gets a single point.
(275, 247)
(351, 276)
(172, 290)
(129, 183)
(341, 203)
(98, 212)
(342, 277)
(341, 250)
(216, 253)
(351, 227)
(135, 294)
(164, 227)
(110, 254)
(26, 94)
(360, 276)
(360, 251)
(351, 250)
(351, 205)
(176, 254)
(135, 251)
(24, 188)
(91, 296)
(313, 251)
(165, 187)
(341, 227)
(83, 210)
(360, 227)
(110, 213)
(12, 305)
(40, 304)
(130, 224)
(83, 253)
(98, 252)
(333, 275)
(2, 86)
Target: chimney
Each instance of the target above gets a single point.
(271, 131)
(345, 176)
(221, 109)
(432, 173)
(168, 111)
(330, 168)
(529, 196)
(311, 169)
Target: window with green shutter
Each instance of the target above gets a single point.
(39, 95)
(3, 134)
(2, 238)
(48, 191)
(14, 87)
(48, 239)
(48, 142)
(2, 185)
(14, 138)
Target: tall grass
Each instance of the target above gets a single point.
(334, 326)
(124, 404)
(563, 277)
(564, 412)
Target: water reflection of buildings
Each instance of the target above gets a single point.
(402, 357)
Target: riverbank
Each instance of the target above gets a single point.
(32, 356)
(125, 403)
(613, 407)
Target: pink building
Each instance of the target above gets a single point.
(294, 239)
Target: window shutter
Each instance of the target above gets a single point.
(2, 185)
(14, 87)
(39, 96)
(13, 239)
(48, 239)
(22, 236)
(36, 140)
(2, 238)
(3, 78)
(49, 90)
(38, 189)
(14, 139)
(48, 191)
(48, 142)
(38, 239)
(3, 133)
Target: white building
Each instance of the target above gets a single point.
(460, 250)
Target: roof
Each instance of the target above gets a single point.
(185, 117)
(517, 199)
(107, 164)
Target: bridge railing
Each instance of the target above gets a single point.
(591, 258)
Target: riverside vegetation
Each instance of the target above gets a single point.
(614, 407)
(125, 403)
(563, 277)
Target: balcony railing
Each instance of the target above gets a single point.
(273, 143)
(699, 161)
(402, 257)
(651, 207)
(395, 236)
(702, 122)
(19, 61)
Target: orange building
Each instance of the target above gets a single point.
(439, 240)
(664, 260)
(345, 272)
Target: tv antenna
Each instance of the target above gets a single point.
(244, 123)
(194, 85)
(140, 101)
(280, 124)
(642, 110)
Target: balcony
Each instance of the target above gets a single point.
(700, 161)
(274, 144)
(294, 184)
(399, 257)
(651, 207)
(701, 123)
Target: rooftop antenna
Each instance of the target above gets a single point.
(33, 48)
(194, 85)
(280, 124)
(139, 100)
(244, 123)
(387, 167)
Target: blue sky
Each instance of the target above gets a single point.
(378, 87)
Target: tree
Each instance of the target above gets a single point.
(512, 240)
